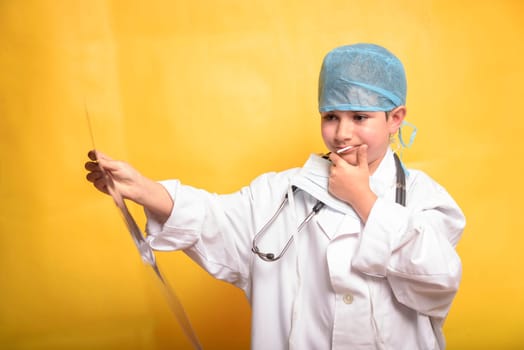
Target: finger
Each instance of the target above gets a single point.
(94, 176)
(335, 158)
(362, 156)
(101, 185)
(91, 166)
(92, 155)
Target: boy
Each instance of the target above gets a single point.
(364, 271)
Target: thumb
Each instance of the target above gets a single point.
(99, 155)
(334, 158)
(107, 163)
(362, 156)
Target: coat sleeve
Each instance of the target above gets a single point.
(213, 230)
(216, 231)
(414, 247)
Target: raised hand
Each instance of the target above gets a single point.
(350, 183)
(129, 183)
(104, 172)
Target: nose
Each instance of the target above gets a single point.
(344, 130)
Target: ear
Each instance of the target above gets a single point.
(395, 119)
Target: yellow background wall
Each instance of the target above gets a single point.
(214, 93)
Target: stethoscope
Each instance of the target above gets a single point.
(400, 198)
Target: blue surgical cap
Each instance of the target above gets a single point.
(361, 77)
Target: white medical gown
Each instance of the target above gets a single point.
(388, 284)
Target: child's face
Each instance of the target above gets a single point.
(349, 128)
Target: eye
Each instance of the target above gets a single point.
(360, 117)
(329, 117)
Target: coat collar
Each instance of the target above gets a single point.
(313, 179)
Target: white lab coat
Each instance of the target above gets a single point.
(387, 284)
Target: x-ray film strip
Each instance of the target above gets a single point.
(147, 254)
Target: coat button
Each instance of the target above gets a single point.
(348, 298)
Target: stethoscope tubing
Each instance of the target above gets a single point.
(400, 198)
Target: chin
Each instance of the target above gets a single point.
(351, 159)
